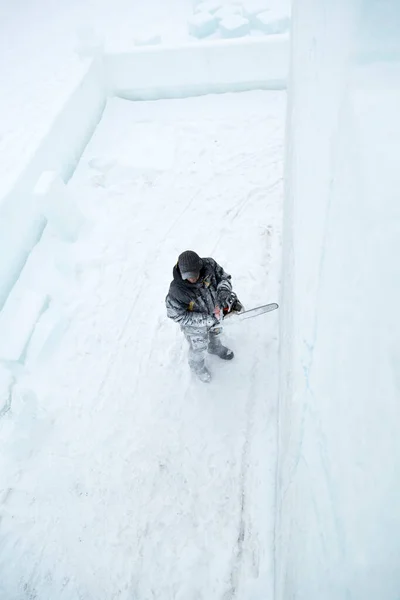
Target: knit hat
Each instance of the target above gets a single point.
(189, 264)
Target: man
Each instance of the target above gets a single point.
(198, 293)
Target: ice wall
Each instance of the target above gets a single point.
(180, 71)
(338, 495)
(21, 223)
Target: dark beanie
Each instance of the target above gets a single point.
(189, 264)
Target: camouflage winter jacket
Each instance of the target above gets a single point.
(192, 304)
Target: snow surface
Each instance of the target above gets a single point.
(122, 476)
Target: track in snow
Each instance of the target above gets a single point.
(135, 480)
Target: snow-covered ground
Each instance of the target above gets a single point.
(122, 476)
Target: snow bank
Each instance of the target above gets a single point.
(199, 68)
(338, 528)
(21, 224)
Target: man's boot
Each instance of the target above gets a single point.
(215, 347)
(201, 371)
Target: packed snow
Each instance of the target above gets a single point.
(122, 475)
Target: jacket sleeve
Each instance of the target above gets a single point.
(224, 285)
(178, 312)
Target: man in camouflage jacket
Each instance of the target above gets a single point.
(198, 293)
